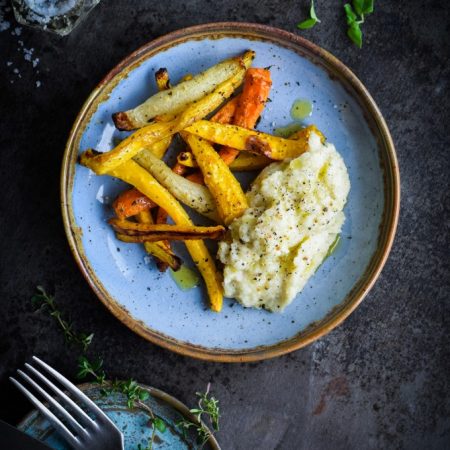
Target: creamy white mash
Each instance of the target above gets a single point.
(294, 216)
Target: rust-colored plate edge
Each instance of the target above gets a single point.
(388, 158)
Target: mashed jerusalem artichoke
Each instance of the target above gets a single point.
(294, 216)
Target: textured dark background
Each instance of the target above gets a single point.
(380, 380)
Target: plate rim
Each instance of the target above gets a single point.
(154, 392)
(388, 224)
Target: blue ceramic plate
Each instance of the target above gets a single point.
(132, 423)
(150, 302)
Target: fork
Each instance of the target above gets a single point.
(81, 432)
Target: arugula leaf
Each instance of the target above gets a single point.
(355, 34)
(313, 19)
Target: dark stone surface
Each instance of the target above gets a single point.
(380, 380)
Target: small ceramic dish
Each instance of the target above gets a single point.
(150, 303)
(132, 422)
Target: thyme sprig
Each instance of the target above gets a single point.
(42, 300)
(208, 409)
(94, 369)
(135, 396)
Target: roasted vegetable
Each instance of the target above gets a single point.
(146, 232)
(196, 177)
(304, 134)
(244, 162)
(251, 103)
(226, 190)
(247, 162)
(249, 140)
(131, 202)
(193, 195)
(162, 253)
(226, 113)
(163, 82)
(187, 159)
(144, 138)
(132, 173)
(102, 163)
(176, 99)
(161, 215)
(162, 79)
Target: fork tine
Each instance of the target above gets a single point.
(81, 415)
(60, 427)
(74, 424)
(75, 391)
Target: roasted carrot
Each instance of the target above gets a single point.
(164, 257)
(254, 95)
(243, 110)
(156, 233)
(130, 203)
(226, 113)
(196, 177)
(179, 169)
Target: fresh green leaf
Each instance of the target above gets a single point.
(312, 12)
(313, 19)
(95, 369)
(135, 395)
(159, 424)
(208, 406)
(42, 301)
(368, 6)
(358, 6)
(355, 34)
(307, 24)
(143, 395)
(350, 14)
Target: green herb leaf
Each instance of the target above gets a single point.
(368, 6)
(159, 424)
(307, 24)
(95, 369)
(350, 14)
(208, 406)
(42, 300)
(313, 19)
(358, 6)
(135, 395)
(312, 12)
(355, 34)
